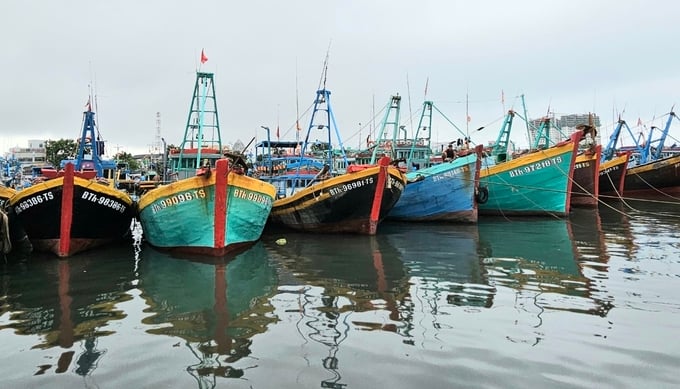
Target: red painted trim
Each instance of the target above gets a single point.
(377, 198)
(596, 176)
(575, 139)
(66, 330)
(220, 201)
(624, 170)
(66, 212)
(221, 310)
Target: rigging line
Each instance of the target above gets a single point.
(354, 134)
(619, 196)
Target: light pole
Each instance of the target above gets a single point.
(269, 147)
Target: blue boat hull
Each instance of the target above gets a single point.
(444, 192)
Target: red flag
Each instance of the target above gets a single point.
(277, 132)
(88, 105)
(639, 123)
(297, 125)
(204, 58)
(469, 118)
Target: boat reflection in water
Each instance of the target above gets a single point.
(68, 304)
(334, 285)
(214, 305)
(547, 264)
(442, 263)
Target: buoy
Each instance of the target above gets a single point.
(281, 241)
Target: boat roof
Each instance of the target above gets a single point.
(279, 143)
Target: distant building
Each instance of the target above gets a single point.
(561, 128)
(33, 155)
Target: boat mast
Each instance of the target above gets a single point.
(383, 135)
(202, 116)
(322, 104)
(90, 147)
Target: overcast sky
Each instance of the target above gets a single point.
(574, 56)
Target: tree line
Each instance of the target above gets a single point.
(59, 150)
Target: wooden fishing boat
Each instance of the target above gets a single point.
(612, 175)
(585, 187)
(652, 170)
(354, 202)
(660, 177)
(536, 183)
(445, 191)
(76, 208)
(586, 176)
(212, 207)
(351, 202)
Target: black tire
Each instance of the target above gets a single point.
(482, 195)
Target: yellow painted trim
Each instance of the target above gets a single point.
(583, 157)
(654, 165)
(7, 192)
(393, 172)
(621, 159)
(198, 182)
(77, 181)
(526, 159)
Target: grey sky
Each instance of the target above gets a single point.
(572, 56)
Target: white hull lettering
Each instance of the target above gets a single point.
(176, 199)
(527, 169)
(103, 201)
(350, 186)
(33, 201)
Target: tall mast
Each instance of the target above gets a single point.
(202, 126)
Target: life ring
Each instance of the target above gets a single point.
(482, 194)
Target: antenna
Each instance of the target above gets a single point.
(324, 72)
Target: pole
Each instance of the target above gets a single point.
(165, 161)
(269, 147)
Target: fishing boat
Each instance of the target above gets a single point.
(612, 174)
(586, 186)
(586, 183)
(351, 202)
(652, 169)
(534, 183)
(212, 206)
(77, 207)
(444, 191)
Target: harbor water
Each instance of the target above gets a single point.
(588, 301)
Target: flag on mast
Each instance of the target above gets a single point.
(204, 58)
(277, 132)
